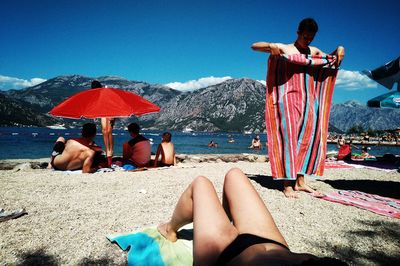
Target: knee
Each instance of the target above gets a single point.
(233, 173)
(201, 181)
(233, 178)
(106, 130)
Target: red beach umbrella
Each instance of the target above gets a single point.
(103, 102)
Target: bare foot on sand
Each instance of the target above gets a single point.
(289, 192)
(302, 186)
(167, 233)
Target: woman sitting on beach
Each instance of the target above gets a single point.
(252, 238)
(166, 151)
(256, 143)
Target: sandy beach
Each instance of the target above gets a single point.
(70, 215)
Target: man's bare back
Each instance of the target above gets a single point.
(166, 150)
(168, 153)
(75, 156)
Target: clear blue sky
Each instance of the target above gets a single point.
(178, 41)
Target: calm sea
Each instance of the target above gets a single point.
(32, 143)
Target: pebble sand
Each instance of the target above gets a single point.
(70, 215)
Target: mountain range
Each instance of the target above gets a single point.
(234, 105)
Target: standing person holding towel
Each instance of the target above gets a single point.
(300, 84)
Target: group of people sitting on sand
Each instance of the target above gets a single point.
(83, 153)
(345, 151)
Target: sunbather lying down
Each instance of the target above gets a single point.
(252, 238)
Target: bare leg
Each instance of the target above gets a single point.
(107, 137)
(212, 229)
(249, 213)
(302, 186)
(288, 190)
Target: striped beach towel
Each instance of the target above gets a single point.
(374, 203)
(298, 101)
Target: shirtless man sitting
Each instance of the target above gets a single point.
(75, 154)
(167, 152)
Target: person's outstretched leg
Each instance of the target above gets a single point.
(288, 190)
(213, 231)
(57, 150)
(302, 186)
(247, 209)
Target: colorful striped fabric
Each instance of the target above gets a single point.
(374, 203)
(298, 102)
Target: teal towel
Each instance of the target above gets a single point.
(143, 250)
(149, 248)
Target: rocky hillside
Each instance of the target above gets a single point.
(346, 115)
(18, 113)
(233, 105)
(46, 95)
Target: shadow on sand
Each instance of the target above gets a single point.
(266, 181)
(361, 244)
(389, 189)
(384, 165)
(37, 257)
(40, 257)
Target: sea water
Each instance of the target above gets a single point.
(33, 143)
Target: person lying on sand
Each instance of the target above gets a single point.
(251, 239)
(166, 151)
(81, 153)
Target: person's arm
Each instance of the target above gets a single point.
(174, 157)
(268, 47)
(87, 163)
(354, 146)
(126, 151)
(157, 155)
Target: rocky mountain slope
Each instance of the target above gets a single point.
(17, 113)
(351, 113)
(233, 105)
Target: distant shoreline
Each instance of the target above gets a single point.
(369, 143)
(42, 163)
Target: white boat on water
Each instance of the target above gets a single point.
(187, 130)
(56, 127)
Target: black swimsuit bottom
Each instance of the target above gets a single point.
(242, 242)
